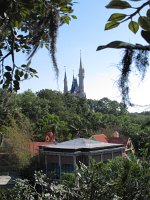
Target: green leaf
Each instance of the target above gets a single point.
(47, 46)
(66, 19)
(43, 195)
(25, 12)
(21, 73)
(1, 54)
(146, 35)
(17, 24)
(32, 70)
(5, 86)
(36, 76)
(117, 17)
(118, 5)
(74, 17)
(144, 22)
(23, 65)
(148, 13)
(66, 10)
(25, 76)
(1, 82)
(16, 85)
(133, 26)
(17, 71)
(8, 68)
(8, 76)
(111, 25)
(17, 77)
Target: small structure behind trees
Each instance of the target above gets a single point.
(64, 157)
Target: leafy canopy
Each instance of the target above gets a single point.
(26, 26)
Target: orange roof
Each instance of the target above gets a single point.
(104, 138)
(34, 147)
(100, 137)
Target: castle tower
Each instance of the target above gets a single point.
(76, 89)
(81, 79)
(74, 86)
(65, 84)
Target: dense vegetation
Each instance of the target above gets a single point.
(29, 116)
(119, 179)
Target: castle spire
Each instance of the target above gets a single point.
(81, 79)
(80, 61)
(65, 84)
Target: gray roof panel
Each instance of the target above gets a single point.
(81, 143)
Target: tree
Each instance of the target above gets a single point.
(8, 106)
(16, 132)
(15, 147)
(54, 100)
(52, 123)
(25, 26)
(136, 53)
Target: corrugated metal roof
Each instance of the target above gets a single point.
(80, 143)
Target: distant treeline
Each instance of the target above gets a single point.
(30, 116)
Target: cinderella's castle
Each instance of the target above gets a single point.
(76, 89)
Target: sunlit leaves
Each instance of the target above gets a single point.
(111, 25)
(115, 4)
(66, 19)
(74, 17)
(114, 20)
(117, 17)
(17, 24)
(133, 26)
(143, 21)
(66, 9)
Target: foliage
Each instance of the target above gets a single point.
(68, 179)
(54, 124)
(121, 178)
(8, 106)
(26, 26)
(16, 132)
(34, 114)
(16, 146)
(41, 189)
(3, 193)
(136, 53)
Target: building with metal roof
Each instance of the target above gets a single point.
(66, 156)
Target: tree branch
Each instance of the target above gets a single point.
(137, 11)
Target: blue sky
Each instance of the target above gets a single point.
(101, 73)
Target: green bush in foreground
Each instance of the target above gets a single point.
(119, 179)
